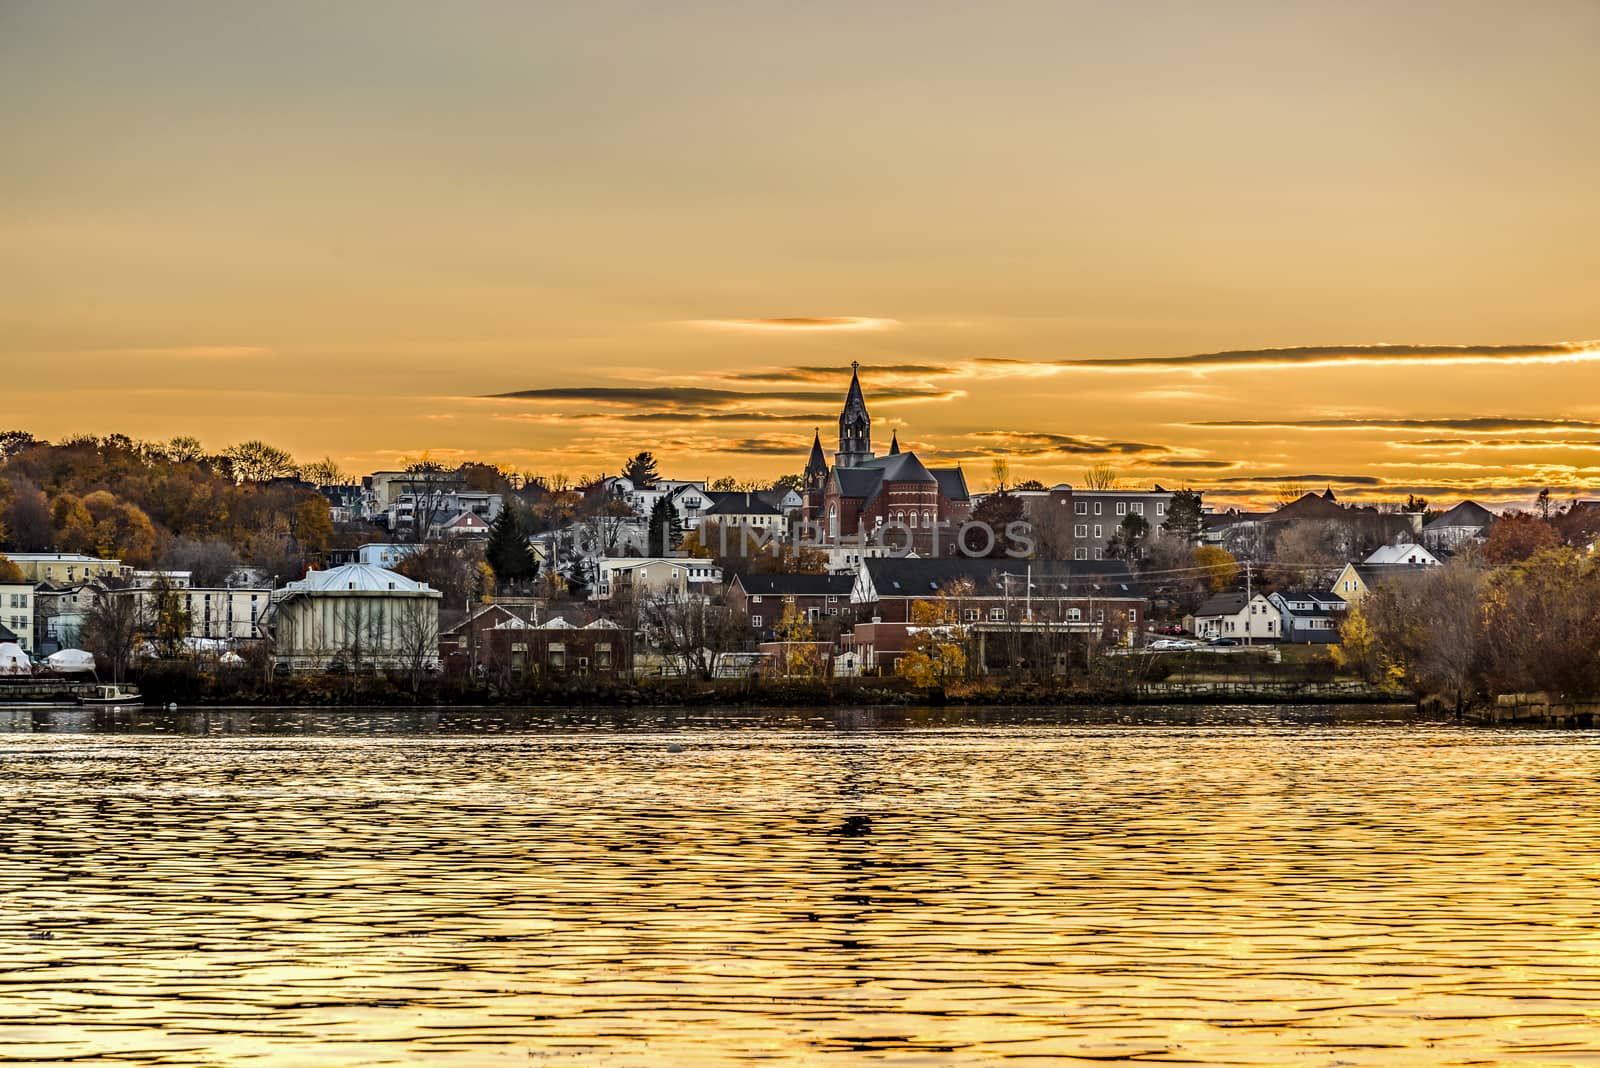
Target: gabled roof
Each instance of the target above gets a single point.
(952, 483)
(1465, 514)
(7, 634)
(741, 504)
(913, 577)
(1400, 553)
(795, 585)
(900, 467)
(1228, 603)
(1372, 574)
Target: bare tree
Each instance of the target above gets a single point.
(111, 631)
(416, 638)
(1100, 477)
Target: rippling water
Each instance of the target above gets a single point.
(1203, 887)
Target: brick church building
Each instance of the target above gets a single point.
(863, 492)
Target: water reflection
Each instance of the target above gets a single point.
(1316, 886)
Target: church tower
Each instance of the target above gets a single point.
(816, 476)
(855, 426)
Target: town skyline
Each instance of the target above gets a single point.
(1341, 246)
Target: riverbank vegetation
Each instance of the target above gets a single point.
(1473, 629)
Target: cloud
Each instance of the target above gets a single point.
(1321, 480)
(1478, 425)
(823, 374)
(1505, 443)
(657, 397)
(1037, 444)
(1336, 355)
(800, 324)
(817, 418)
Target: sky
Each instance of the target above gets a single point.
(1240, 246)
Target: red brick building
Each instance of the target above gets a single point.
(894, 497)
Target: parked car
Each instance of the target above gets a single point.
(1170, 644)
(1223, 641)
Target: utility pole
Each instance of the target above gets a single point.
(1249, 626)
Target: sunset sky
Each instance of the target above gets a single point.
(1232, 245)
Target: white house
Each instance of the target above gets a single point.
(356, 617)
(1402, 553)
(221, 613)
(385, 554)
(17, 611)
(655, 575)
(1467, 521)
(1233, 615)
(1308, 615)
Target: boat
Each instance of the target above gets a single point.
(112, 694)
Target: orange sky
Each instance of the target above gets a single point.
(342, 227)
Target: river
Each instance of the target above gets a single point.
(1200, 886)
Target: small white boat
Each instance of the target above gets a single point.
(112, 694)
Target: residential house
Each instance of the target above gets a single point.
(1309, 616)
(17, 607)
(1358, 580)
(355, 617)
(752, 513)
(656, 576)
(1467, 522)
(65, 568)
(1235, 614)
(760, 600)
(60, 612)
(1402, 553)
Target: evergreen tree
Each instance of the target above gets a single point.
(508, 552)
(641, 470)
(1184, 517)
(666, 528)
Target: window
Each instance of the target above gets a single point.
(1096, 507)
(970, 615)
(1133, 615)
(1080, 530)
(997, 615)
(1099, 615)
(1099, 553)
(556, 656)
(1080, 554)
(1138, 508)
(755, 621)
(1122, 507)
(756, 599)
(602, 656)
(1161, 508)
(1082, 508)
(1099, 531)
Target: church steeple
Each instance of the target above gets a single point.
(817, 466)
(855, 425)
(894, 443)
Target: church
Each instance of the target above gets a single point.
(862, 492)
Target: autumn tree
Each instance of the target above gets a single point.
(1218, 565)
(937, 652)
(1516, 536)
(9, 571)
(313, 526)
(802, 657)
(997, 512)
(1543, 624)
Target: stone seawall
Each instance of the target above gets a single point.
(1539, 709)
